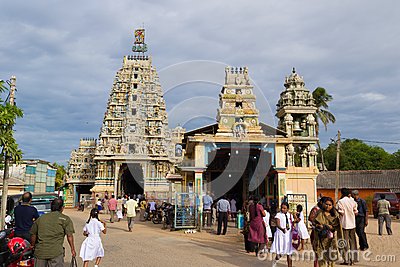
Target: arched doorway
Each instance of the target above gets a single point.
(132, 182)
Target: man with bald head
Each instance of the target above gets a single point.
(25, 215)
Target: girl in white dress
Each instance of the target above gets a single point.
(282, 244)
(119, 208)
(267, 226)
(92, 248)
(301, 226)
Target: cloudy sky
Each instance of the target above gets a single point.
(65, 55)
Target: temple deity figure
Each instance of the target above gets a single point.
(312, 152)
(290, 155)
(304, 158)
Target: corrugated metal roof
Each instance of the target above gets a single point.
(368, 179)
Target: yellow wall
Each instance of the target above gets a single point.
(301, 180)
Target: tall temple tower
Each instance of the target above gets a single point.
(136, 150)
(237, 114)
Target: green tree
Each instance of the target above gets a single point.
(59, 174)
(9, 150)
(356, 155)
(394, 161)
(322, 98)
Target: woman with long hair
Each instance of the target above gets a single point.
(92, 248)
(257, 233)
(326, 234)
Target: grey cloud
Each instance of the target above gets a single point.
(65, 56)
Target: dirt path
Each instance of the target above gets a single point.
(148, 245)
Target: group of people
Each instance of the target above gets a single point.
(258, 231)
(119, 207)
(46, 233)
(333, 228)
(219, 210)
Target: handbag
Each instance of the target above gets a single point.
(73, 262)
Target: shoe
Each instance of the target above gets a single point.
(344, 263)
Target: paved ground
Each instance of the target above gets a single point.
(148, 245)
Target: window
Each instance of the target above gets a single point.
(30, 170)
(51, 173)
(135, 86)
(134, 111)
(134, 97)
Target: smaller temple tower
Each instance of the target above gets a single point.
(81, 171)
(237, 114)
(296, 113)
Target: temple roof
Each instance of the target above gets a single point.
(213, 128)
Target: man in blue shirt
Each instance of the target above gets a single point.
(207, 202)
(25, 215)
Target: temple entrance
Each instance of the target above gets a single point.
(131, 182)
(239, 171)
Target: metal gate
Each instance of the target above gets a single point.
(186, 213)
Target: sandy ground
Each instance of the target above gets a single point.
(149, 245)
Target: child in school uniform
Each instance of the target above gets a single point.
(301, 226)
(282, 244)
(92, 248)
(268, 231)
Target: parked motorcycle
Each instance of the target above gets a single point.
(168, 216)
(158, 215)
(15, 251)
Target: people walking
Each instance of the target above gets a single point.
(92, 248)
(301, 226)
(361, 220)
(223, 209)
(384, 215)
(207, 216)
(105, 202)
(25, 215)
(311, 218)
(112, 207)
(143, 205)
(257, 233)
(119, 208)
(233, 208)
(82, 204)
(327, 232)
(246, 229)
(282, 244)
(131, 206)
(347, 209)
(266, 219)
(48, 233)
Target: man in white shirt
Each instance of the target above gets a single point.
(223, 209)
(347, 209)
(131, 206)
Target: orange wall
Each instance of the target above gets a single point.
(364, 194)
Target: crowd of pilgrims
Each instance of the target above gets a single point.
(281, 232)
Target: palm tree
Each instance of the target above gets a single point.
(321, 98)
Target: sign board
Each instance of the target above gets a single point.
(296, 199)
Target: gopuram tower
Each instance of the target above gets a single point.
(237, 115)
(135, 149)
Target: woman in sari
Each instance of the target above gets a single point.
(257, 233)
(326, 234)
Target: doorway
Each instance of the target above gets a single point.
(131, 182)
